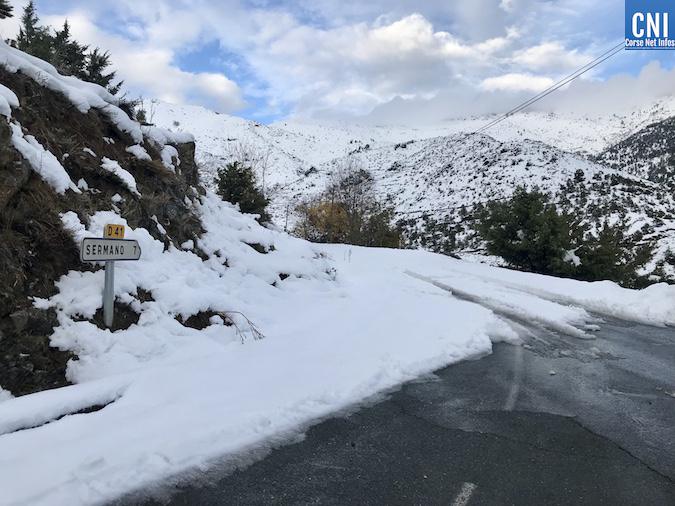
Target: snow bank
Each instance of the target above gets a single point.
(83, 95)
(5, 109)
(514, 304)
(338, 328)
(124, 176)
(7, 100)
(161, 136)
(654, 305)
(40, 408)
(5, 395)
(169, 154)
(43, 162)
(139, 152)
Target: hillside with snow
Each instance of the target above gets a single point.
(291, 149)
(295, 147)
(648, 153)
(431, 175)
(297, 153)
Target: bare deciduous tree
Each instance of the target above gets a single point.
(348, 211)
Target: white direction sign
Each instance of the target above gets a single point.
(104, 250)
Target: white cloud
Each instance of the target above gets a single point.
(516, 82)
(147, 64)
(9, 27)
(620, 92)
(341, 58)
(351, 67)
(362, 65)
(550, 56)
(617, 94)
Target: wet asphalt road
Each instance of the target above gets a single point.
(557, 421)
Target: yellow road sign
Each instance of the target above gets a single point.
(112, 231)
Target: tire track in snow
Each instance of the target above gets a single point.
(518, 315)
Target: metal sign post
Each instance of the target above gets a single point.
(112, 248)
(109, 293)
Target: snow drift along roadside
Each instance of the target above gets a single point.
(339, 329)
(654, 305)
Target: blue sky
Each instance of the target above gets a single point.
(267, 60)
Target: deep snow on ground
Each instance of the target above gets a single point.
(348, 323)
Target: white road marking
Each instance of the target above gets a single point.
(465, 494)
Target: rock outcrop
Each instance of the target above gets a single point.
(46, 126)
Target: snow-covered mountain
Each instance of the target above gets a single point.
(294, 150)
(296, 146)
(439, 171)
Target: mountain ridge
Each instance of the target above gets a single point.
(424, 172)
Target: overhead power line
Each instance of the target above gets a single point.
(566, 80)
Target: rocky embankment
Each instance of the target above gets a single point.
(55, 130)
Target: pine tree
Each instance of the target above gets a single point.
(96, 64)
(61, 50)
(527, 232)
(613, 254)
(237, 184)
(68, 56)
(5, 9)
(29, 26)
(33, 38)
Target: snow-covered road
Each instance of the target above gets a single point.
(182, 400)
(597, 431)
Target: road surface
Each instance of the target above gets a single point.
(559, 420)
